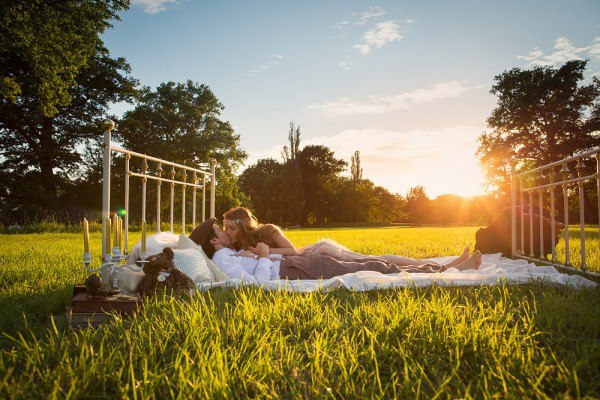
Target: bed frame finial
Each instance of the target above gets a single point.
(108, 125)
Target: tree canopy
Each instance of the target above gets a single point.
(180, 122)
(44, 45)
(58, 81)
(543, 114)
(312, 174)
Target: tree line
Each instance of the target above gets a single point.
(58, 80)
(308, 187)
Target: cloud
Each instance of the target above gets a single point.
(564, 51)
(383, 33)
(342, 25)
(594, 51)
(346, 64)
(274, 60)
(154, 6)
(377, 104)
(372, 12)
(363, 17)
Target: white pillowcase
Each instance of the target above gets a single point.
(157, 242)
(192, 262)
(187, 243)
(154, 245)
(128, 279)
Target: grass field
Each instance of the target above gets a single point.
(527, 341)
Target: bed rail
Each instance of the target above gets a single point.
(546, 179)
(177, 176)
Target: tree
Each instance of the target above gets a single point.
(355, 169)
(263, 183)
(543, 115)
(293, 176)
(180, 122)
(385, 206)
(56, 82)
(349, 203)
(44, 44)
(418, 205)
(450, 209)
(319, 168)
(41, 151)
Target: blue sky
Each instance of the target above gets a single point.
(404, 82)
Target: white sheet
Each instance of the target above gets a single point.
(495, 270)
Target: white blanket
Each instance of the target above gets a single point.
(495, 270)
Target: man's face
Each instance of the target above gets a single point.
(232, 230)
(222, 237)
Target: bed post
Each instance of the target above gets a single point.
(204, 198)
(513, 210)
(213, 179)
(108, 126)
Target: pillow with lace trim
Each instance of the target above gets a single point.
(193, 263)
(187, 243)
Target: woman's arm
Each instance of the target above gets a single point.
(277, 242)
(282, 245)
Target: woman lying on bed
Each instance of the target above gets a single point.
(309, 265)
(245, 232)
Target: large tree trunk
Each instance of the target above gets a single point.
(46, 157)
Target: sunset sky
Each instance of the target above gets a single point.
(404, 82)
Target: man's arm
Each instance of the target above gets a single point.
(234, 267)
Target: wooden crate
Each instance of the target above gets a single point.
(83, 303)
(86, 310)
(85, 320)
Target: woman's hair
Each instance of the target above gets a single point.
(250, 230)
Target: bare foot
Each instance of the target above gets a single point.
(460, 259)
(473, 262)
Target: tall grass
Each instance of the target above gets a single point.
(527, 341)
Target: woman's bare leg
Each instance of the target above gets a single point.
(399, 260)
(473, 262)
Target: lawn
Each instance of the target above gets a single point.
(527, 341)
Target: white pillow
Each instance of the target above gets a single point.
(128, 280)
(192, 262)
(154, 245)
(187, 243)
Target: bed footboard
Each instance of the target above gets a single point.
(534, 205)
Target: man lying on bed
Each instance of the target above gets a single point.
(215, 244)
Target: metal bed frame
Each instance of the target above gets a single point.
(546, 179)
(178, 174)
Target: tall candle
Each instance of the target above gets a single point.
(115, 227)
(86, 236)
(108, 236)
(143, 236)
(120, 232)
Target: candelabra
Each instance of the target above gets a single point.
(110, 267)
(113, 258)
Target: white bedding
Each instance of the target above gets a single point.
(494, 270)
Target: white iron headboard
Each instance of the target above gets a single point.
(174, 179)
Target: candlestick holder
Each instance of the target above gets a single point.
(117, 257)
(105, 267)
(111, 266)
(116, 268)
(142, 261)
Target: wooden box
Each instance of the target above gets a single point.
(83, 303)
(88, 310)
